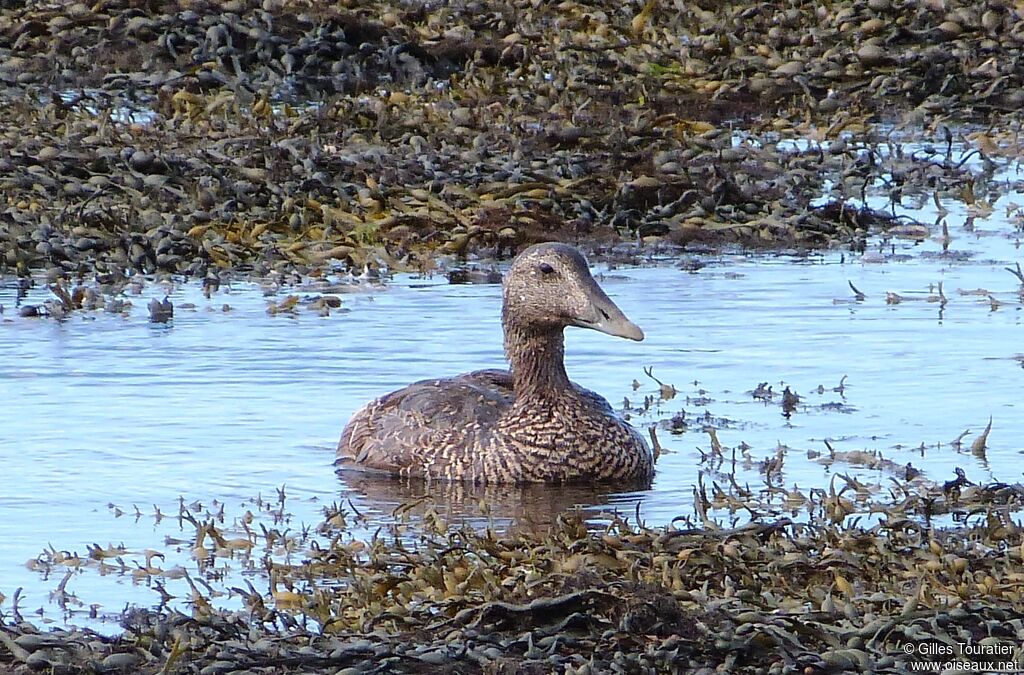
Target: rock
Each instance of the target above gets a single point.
(872, 55)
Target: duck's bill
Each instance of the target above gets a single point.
(603, 315)
(623, 328)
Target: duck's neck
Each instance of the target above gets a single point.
(536, 358)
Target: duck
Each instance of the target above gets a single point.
(527, 424)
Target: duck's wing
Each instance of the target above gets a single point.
(404, 431)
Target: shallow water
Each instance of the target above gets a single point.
(108, 413)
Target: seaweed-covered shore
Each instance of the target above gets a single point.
(822, 591)
(192, 137)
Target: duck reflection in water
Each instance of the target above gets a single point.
(530, 507)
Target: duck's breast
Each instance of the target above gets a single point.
(573, 436)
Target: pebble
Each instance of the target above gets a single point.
(121, 661)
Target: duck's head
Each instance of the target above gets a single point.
(549, 286)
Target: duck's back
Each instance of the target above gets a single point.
(429, 428)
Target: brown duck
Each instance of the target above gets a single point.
(527, 424)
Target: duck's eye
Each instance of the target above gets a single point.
(546, 268)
